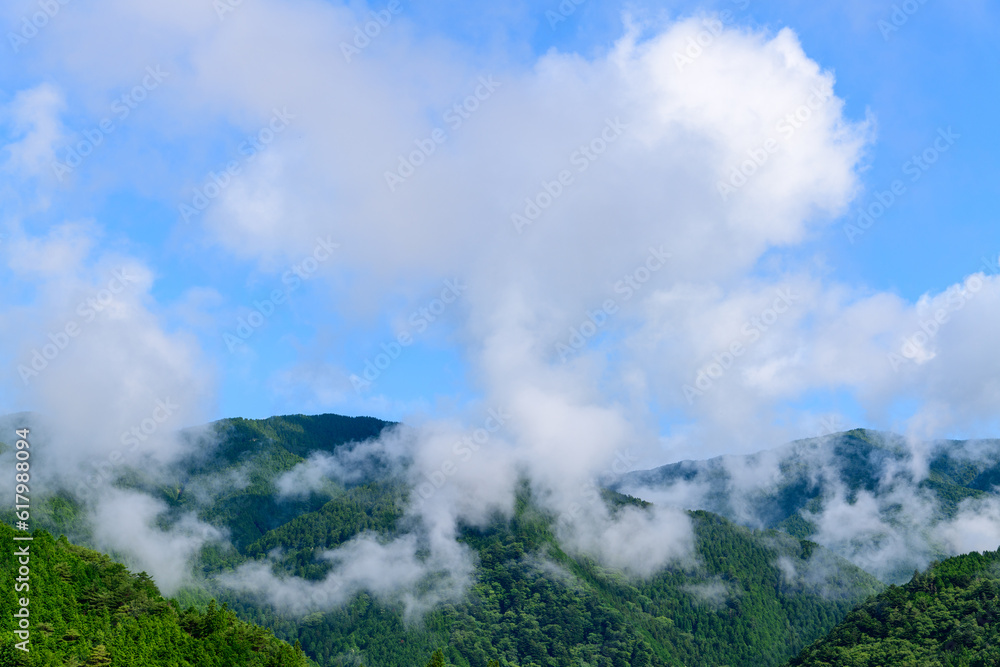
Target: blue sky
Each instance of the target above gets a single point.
(225, 76)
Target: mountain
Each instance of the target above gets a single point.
(886, 504)
(227, 477)
(946, 616)
(246, 456)
(745, 597)
(83, 608)
(750, 598)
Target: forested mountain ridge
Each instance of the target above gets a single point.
(248, 455)
(948, 616)
(227, 477)
(748, 598)
(738, 606)
(907, 487)
(858, 459)
(85, 609)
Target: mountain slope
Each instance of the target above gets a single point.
(748, 597)
(858, 460)
(872, 497)
(946, 616)
(751, 598)
(85, 608)
(227, 478)
(248, 454)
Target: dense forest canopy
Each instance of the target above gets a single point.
(948, 616)
(745, 597)
(85, 609)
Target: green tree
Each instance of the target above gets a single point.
(437, 659)
(99, 657)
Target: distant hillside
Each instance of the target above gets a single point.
(85, 609)
(229, 477)
(754, 599)
(948, 615)
(790, 488)
(751, 598)
(243, 461)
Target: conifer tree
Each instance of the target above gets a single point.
(99, 657)
(437, 659)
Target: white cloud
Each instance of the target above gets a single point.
(391, 571)
(124, 522)
(92, 355)
(656, 141)
(662, 138)
(33, 120)
(976, 527)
